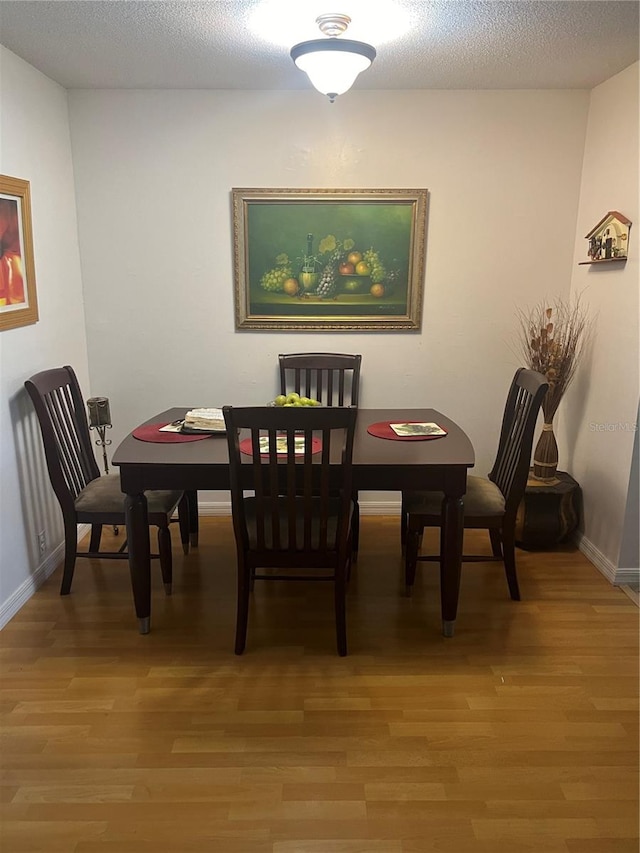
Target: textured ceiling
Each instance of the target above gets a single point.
(450, 44)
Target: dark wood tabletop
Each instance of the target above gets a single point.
(379, 464)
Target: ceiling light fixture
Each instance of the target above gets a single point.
(332, 64)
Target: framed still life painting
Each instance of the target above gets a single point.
(18, 300)
(329, 259)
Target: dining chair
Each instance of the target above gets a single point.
(292, 509)
(334, 380)
(86, 497)
(490, 503)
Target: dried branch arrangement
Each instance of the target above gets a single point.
(552, 339)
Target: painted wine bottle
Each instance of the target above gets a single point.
(308, 277)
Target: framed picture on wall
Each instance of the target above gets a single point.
(329, 259)
(18, 300)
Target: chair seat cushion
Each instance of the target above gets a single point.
(250, 506)
(483, 498)
(104, 495)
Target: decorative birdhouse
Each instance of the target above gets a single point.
(609, 239)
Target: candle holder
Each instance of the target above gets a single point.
(100, 420)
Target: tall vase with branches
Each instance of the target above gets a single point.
(552, 339)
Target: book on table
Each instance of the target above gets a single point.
(204, 420)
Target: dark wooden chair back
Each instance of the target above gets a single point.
(511, 467)
(331, 378)
(291, 498)
(63, 422)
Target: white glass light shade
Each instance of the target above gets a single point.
(333, 64)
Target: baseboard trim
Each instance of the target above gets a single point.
(615, 576)
(222, 508)
(33, 583)
(24, 592)
(628, 576)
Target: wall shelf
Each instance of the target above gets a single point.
(603, 261)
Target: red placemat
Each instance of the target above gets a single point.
(382, 429)
(151, 432)
(245, 447)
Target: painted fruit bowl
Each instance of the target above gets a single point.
(355, 283)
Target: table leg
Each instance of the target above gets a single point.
(192, 497)
(137, 519)
(452, 531)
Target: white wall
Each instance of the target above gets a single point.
(35, 145)
(154, 170)
(605, 390)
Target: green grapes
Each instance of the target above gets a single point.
(378, 272)
(273, 280)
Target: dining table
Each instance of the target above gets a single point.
(379, 464)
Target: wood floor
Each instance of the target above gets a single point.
(519, 734)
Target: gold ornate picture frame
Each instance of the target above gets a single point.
(18, 297)
(329, 259)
